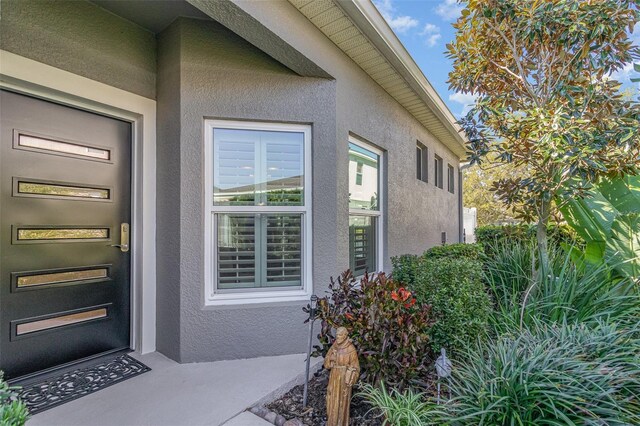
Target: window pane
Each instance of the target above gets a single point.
(63, 147)
(61, 277)
(450, 178)
(362, 244)
(63, 233)
(234, 181)
(57, 190)
(419, 163)
(257, 168)
(363, 178)
(284, 250)
(236, 251)
(438, 171)
(284, 168)
(60, 321)
(259, 250)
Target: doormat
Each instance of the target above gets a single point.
(55, 390)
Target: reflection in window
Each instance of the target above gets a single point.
(62, 233)
(363, 178)
(58, 190)
(60, 321)
(63, 147)
(364, 208)
(258, 168)
(61, 277)
(362, 244)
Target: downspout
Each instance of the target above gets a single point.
(461, 168)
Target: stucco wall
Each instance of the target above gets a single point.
(417, 212)
(81, 38)
(168, 194)
(222, 76)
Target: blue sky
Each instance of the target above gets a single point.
(424, 27)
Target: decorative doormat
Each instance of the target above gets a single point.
(55, 390)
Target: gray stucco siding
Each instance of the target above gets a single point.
(222, 76)
(168, 207)
(417, 212)
(81, 38)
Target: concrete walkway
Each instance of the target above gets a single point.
(175, 394)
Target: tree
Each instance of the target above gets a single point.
(545, 101)
(478, 193)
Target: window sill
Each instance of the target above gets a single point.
(225, 299)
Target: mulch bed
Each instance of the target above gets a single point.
(290, 405)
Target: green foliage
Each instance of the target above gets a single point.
(448, 278)
(13, 412)
(608, 219)
(404, 268)
(492, 236)
(545, 100)
(406, 408)
(567, 294)
(564, 374)
(386, 324)
(455, 251)
(459, 302)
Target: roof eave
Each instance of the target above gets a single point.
(366, 16)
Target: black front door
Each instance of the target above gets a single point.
(65, 179)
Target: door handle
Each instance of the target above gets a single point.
(124, 238)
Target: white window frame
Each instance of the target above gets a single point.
(213, 296)
(378, 214)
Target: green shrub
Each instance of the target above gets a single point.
(13, 412)
(449, 278)
(568, 294)
(406, 408)
(404, 268)
(469, 251)
(491, 235)
(459, 302)
(388, 327)
(551, 375)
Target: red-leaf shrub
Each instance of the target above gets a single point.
(386, 324)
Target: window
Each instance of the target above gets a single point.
(450, 178)
(438, 178)
(258, 211)
(422, 160)
(365, 208)
(359, 167)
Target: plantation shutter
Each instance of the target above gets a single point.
(236, 251)
(284, 250)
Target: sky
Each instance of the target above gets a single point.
(424, 27)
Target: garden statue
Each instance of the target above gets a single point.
(342, 360)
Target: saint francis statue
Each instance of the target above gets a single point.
(342, 360)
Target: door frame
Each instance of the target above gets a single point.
(22, 75)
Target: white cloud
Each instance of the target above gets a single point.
(467, 100)
(449, 10)
(431, 33)
(399, 23)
